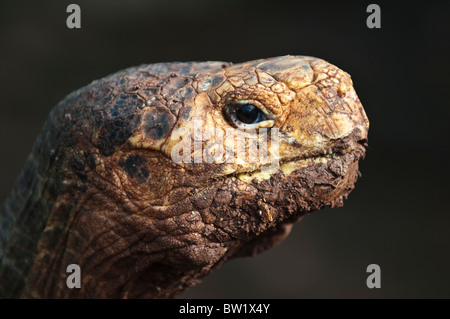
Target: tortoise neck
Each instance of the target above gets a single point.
(36, 215)
(59, 223)
(23, 217)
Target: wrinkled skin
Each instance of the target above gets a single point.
(101, 190)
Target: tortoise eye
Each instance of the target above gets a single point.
(249, 114)
(245, 115)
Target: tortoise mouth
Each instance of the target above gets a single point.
(290, 165)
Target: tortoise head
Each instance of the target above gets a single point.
(252, 148)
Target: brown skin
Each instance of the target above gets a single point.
(101, 190)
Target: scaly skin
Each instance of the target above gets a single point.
(100, 188)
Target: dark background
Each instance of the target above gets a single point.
(398, 215)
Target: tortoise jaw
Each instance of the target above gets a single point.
(282, 197)
(313, 183)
